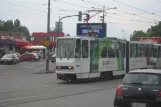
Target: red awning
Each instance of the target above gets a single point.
(41, 43)
(21, 42)
(36, 34)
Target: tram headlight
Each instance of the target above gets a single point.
(58, 67)
(70, 67)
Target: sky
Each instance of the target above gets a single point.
(129, 16)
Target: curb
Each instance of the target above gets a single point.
(44, 72)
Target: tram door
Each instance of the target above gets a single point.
(120, 56)
(158, 61)
(85, 60)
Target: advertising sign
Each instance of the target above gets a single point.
(91, 29)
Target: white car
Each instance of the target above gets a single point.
(53, 59)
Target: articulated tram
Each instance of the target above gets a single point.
(89, 57)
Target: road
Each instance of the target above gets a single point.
(21, 87)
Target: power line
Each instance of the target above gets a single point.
(62, 9)
(23, 2)
(23, 6)
(29, 8)
(136, 15)
(122, 16)
(92, 3)
(136, 8)
(71, 4)
(131, 20)
(158, 1)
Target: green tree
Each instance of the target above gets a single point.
(15, 26)
(137, 34)
(154, 31)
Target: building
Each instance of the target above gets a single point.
(39, 38)
(150, 39)
(12, 41)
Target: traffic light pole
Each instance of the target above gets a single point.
(48, 37)
(64, 18)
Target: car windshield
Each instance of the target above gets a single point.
(8, 56)
(65, 48)
(142, 79)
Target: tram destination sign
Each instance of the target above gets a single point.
(91, 29)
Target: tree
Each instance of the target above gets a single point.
(154, 31)
(17, 23)
(137, 34)
(15, 26)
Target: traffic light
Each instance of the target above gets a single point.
(80, 16)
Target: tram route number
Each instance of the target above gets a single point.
(105, 63)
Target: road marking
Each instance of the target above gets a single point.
(27, 87)
(79, 93)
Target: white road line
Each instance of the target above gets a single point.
(13, 99)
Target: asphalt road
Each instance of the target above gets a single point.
(21, 87)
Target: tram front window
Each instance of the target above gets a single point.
(78, 49)
(65, 48)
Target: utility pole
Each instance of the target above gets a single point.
(103, 20)
(48, 36)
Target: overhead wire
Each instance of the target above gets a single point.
(29, 8)
(131, 20)
(92, 3)
(158, 1)
(135, 14)
(71, 4)
(136, 8)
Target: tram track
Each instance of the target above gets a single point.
(54, 91)
(43, 97)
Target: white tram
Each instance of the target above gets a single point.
(89, 57)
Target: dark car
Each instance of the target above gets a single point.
(140, 88)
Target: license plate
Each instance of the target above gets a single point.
(134, 104)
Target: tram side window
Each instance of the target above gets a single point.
(78, 49)
(92, 43)
(119, 49)
(104, 52)
(150, 50)
(84, 48)
(124, 50)
(159, 52)
(135, 50)
(146, 50)
(111, 51)
(141, 50)
(155, 51)
(130, 50)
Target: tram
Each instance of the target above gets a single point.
(89, 57)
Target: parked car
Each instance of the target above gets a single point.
(18, 54)
(9, 59)
(53, 58)
(38, 55)
(29, 57)
(140, 88)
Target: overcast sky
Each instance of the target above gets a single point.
(33, 14)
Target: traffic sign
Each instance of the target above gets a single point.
(46, 42)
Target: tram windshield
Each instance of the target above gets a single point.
(65, 48)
